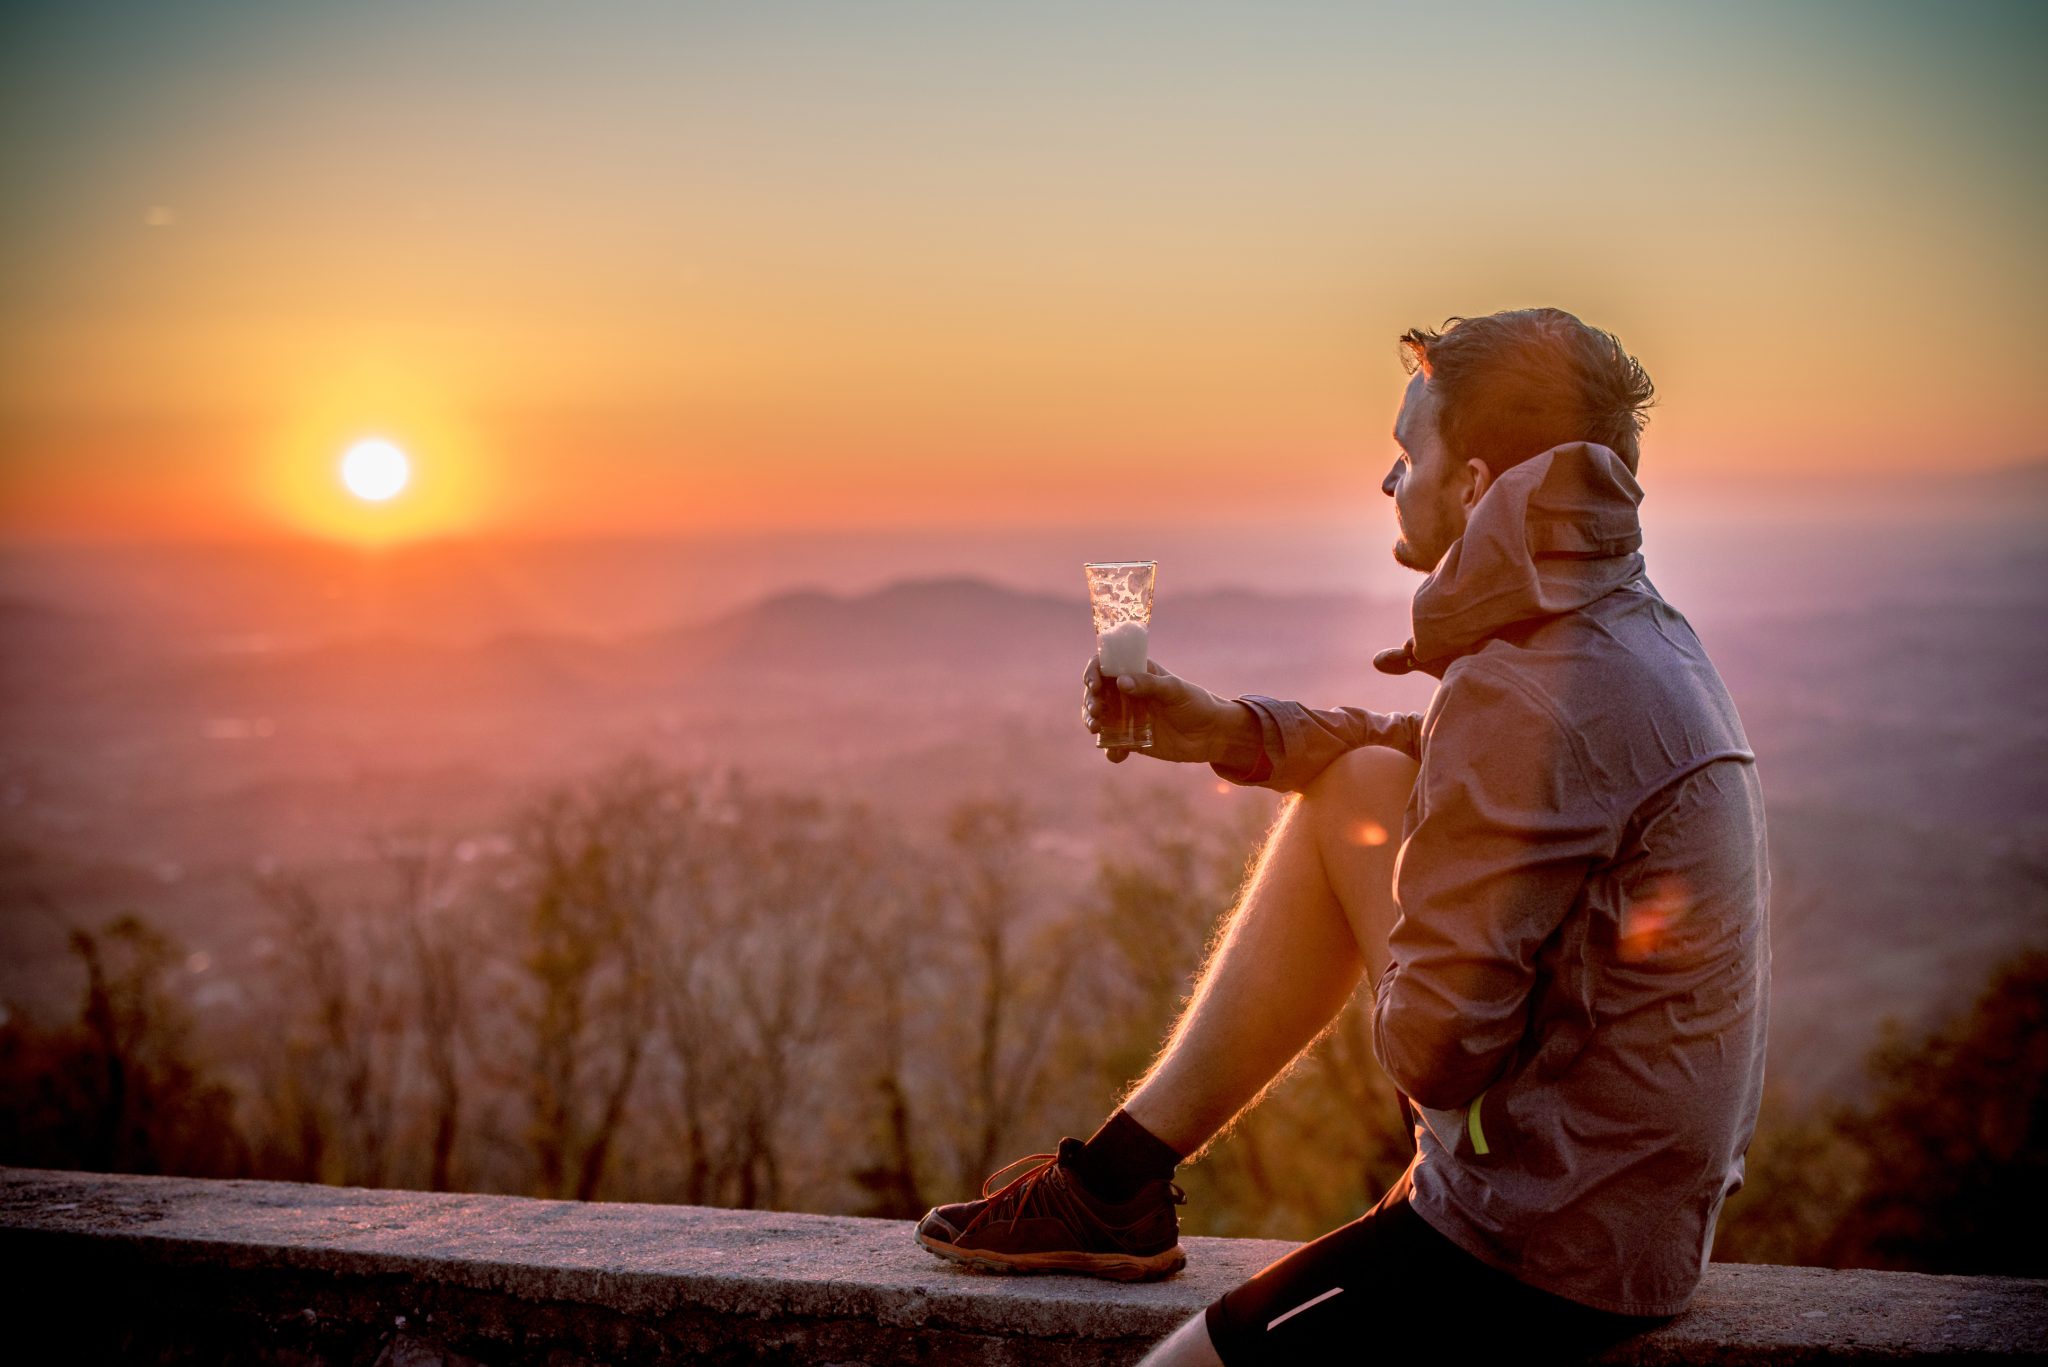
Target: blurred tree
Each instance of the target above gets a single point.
(894, 947)
(1944, 1169)
(1956, 1141)
(1802, 1176)
(594, 856)
(803, 876)
(440, 948)
(1007, 989)
(334, 1082)
(763, 993)
(120, 1090)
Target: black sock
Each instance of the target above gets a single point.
(1122, 1157)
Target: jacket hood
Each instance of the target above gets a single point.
(1549, 536)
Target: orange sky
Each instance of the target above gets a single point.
(651, 270)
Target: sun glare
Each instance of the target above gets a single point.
(374, 470)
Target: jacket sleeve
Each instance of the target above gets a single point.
(1299, 742)
(1507, 832)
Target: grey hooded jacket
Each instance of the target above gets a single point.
(1580, 968)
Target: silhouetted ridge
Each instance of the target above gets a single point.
(958, 626)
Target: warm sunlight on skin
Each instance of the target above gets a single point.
(375, 470)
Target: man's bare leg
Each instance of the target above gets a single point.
(1313, 916)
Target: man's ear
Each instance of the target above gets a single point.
(1475, 480)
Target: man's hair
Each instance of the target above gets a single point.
(1513, 385)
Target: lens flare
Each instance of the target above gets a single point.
(1649, 920)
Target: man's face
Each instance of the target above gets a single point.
(1432, 494)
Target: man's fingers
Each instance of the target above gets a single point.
(1117, 756)
(1144, 685)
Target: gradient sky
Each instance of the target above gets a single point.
(682, 267)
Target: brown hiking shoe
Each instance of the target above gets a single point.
(1046, 1221)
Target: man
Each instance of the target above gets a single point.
(1567, 944)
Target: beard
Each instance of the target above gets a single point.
(1414, 555)
(1406, 556)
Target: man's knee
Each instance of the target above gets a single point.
(1370, 775)
(1362, 795)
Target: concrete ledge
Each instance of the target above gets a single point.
(178, 1269)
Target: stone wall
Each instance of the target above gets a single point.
(166, 1269)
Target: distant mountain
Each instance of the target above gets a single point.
(955, 623)
(28, 624)
(42, 644)
(955, 628)
(1957, 665)
(2027, 481)
(1918, 695)
(964, 625)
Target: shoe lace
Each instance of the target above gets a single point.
(1012, 1197)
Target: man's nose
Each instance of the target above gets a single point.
(1387, 484)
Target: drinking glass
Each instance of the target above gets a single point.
(1120, 593)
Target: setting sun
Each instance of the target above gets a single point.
(374, 470)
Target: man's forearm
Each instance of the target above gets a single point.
(1238, 743)
(1291, 744)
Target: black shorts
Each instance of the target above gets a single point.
(1388, 1284)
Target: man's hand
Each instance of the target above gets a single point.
(1190, 724)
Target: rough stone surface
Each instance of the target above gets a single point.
(177, 1269)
